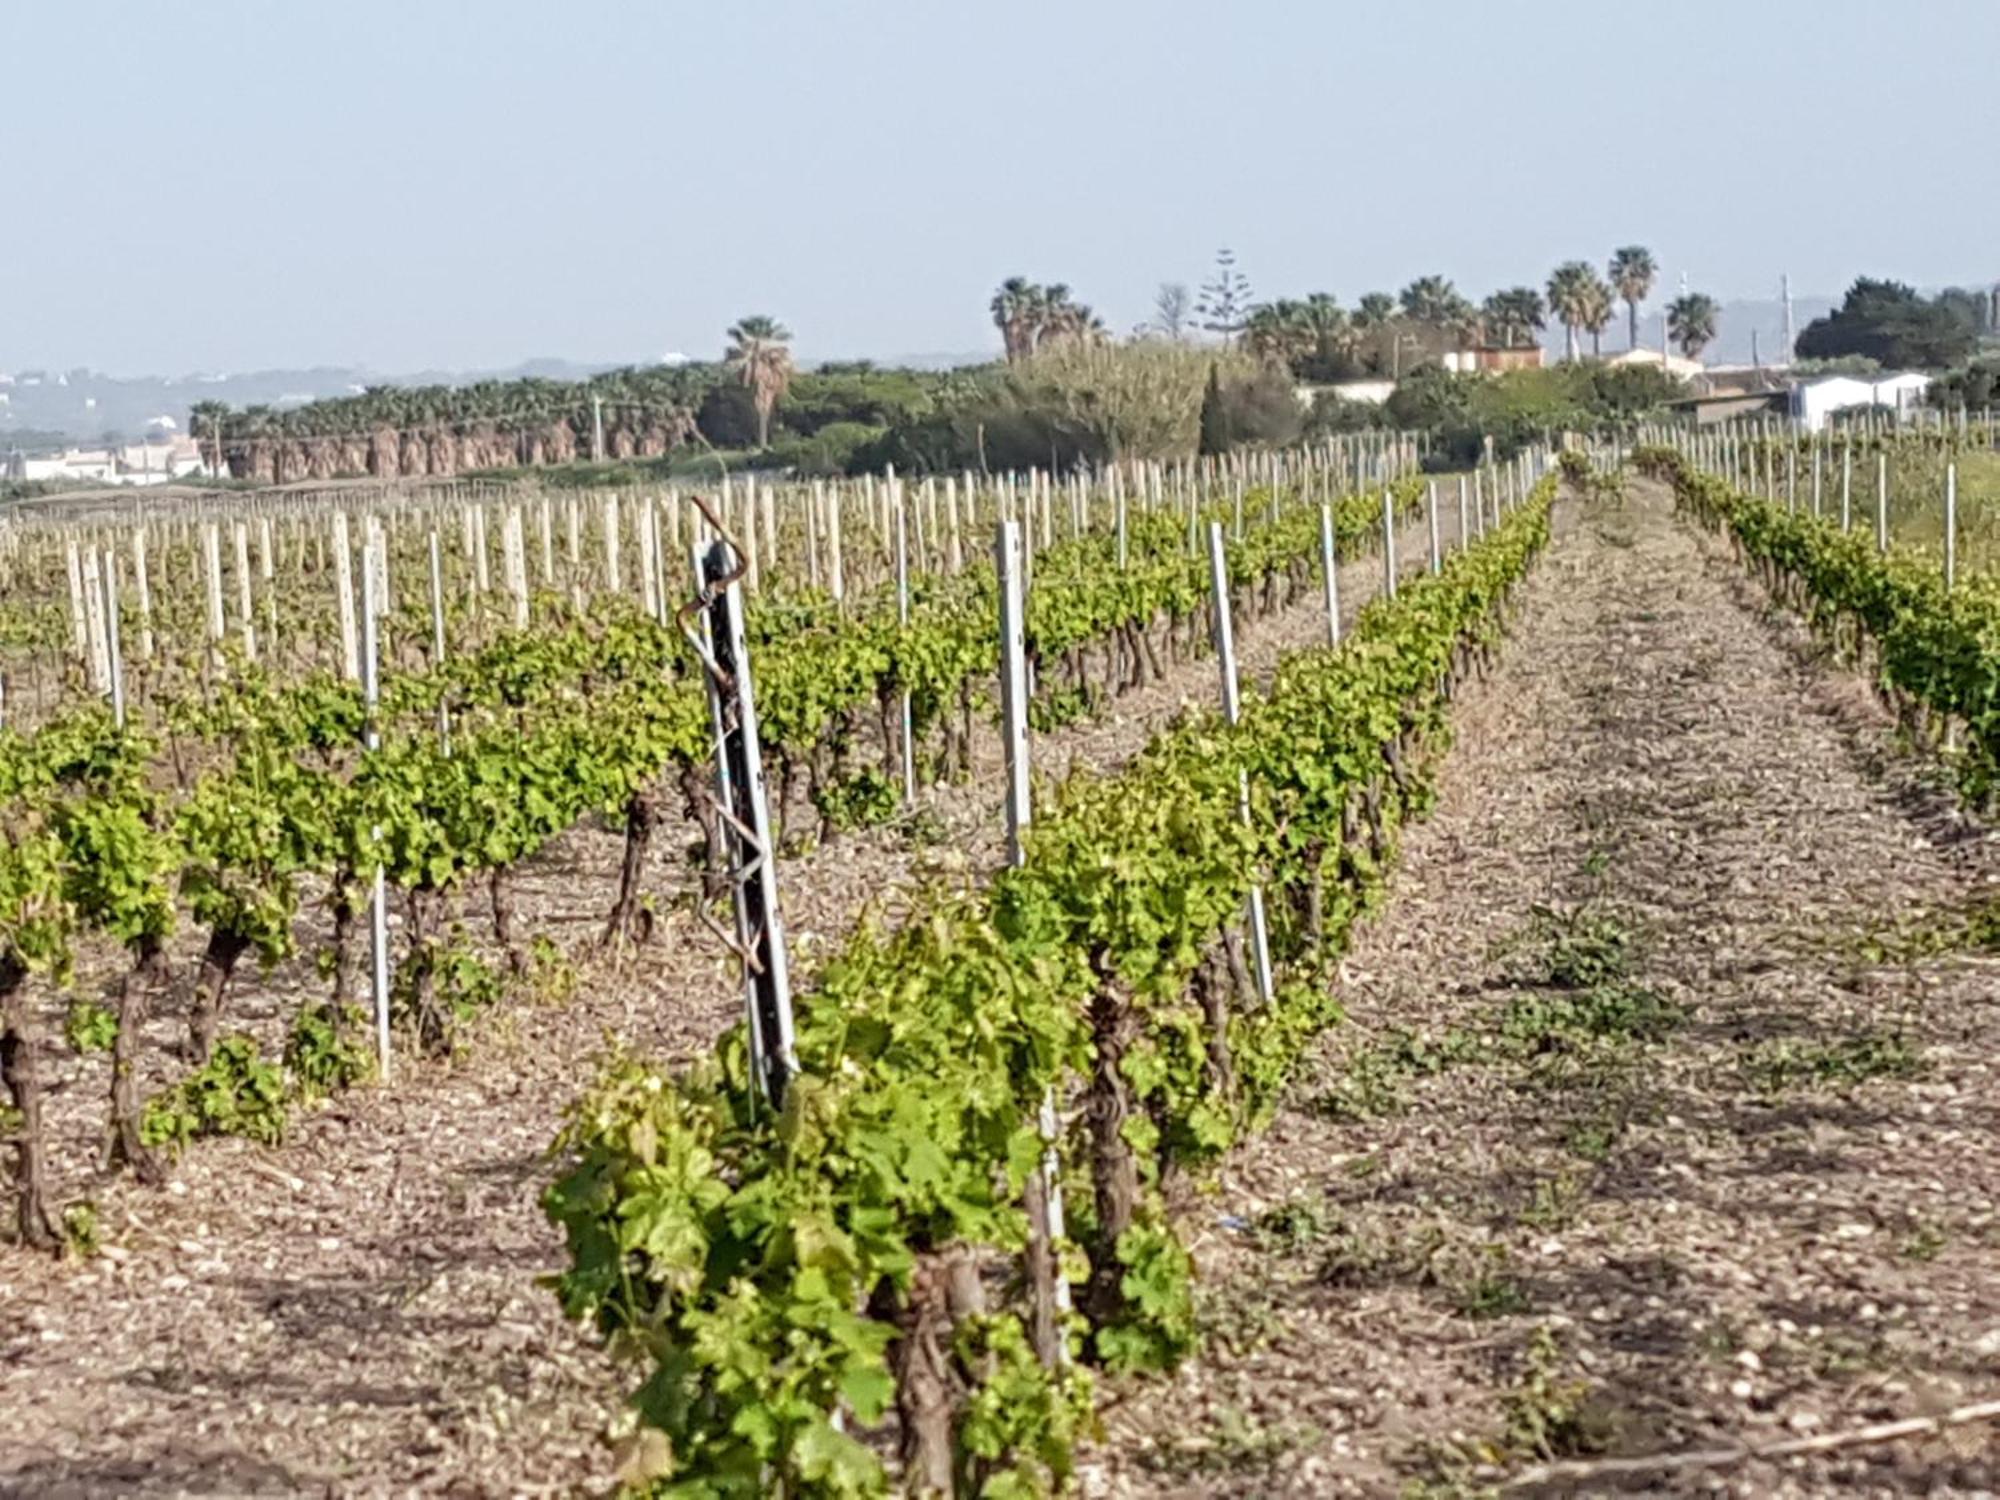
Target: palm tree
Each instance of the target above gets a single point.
(1326, 322)
(1373, 312)
(1597, 312)
(1569, 300)
(1514, 316)
(1013, 312)
(1057, 315)
(1280, 332)
(1632, 272)
(1430, 300)
(759, 354)
(1691, 320)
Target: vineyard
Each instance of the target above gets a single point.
(1295, 975)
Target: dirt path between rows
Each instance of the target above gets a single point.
(357, 1311)
(1666, 1114)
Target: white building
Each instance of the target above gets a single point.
(1374, 392)
(1814, 401)
(1673, 364)
(135, 463)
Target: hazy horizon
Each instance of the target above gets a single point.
(214, 185)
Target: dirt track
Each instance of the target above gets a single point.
(1661, 1121)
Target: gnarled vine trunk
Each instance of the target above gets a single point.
(1114, 1166)
(225, 950)
(426, 908)
(21, 1071)
(500, 891)
(345, 913)
(629, 922)
(148, 971)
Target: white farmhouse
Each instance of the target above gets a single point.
(1814, 401)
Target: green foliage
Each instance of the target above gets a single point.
(867, 799)
(90, 1027)
(1788, 1063)
(81, 1232)
(1260, 409)
(1549, 1416)
(1573, 948)
(1975, 387)
(326, 1053)
(235, 1093)
(1888, 322)
(755, 1255)
(1937, 648)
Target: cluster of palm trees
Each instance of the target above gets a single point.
(1429, 315)
(1316, 334)
(1032, 317)
(393, 431)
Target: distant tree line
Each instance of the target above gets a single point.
(1893, 325)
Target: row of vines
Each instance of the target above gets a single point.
(1934, 646)
(233, 809)
(868, 1268)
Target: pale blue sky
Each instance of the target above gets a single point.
(221, 184)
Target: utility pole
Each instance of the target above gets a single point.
(1785, 295)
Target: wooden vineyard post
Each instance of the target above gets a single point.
(211, 552)
(1118, 508)
(1462, 518)
(1950, 526)
(1792, 476)
(143, 584)
(1388, 544)
(514, 562)
(573, 549)
(79, 633)
(955, 548)
(1846, 489)
(246, 608)
(658, 549)
(93, 624)
(1329, 568)
(343, 582)
(1431, 506)
(837, 573)
(113, 644)
(546, 524)
(437, 640)
(267, 576)
(747, 823)
(907, 743)
(481, 570)
(611, 570)
(815, 502)
(1051, 1298)
(378, 896)
(1232, 710)
(1881, 502)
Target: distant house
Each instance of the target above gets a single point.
(1813, 402)
(1373, 392)
(134, 463)
(1487, 358)
(1728, 405)
(1673, 364)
